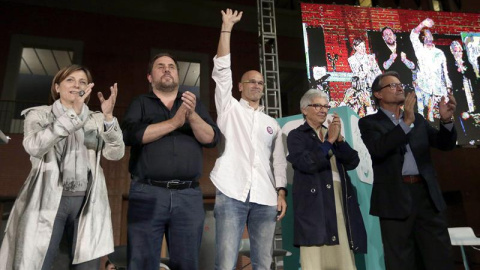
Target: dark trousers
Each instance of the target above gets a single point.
(153, 211)
(420, 241)
(66, 221)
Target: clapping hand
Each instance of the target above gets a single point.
(189, 101)
(446, 109)
(409, 104)
(334, 128)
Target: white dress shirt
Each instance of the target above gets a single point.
(253, 159)
(432, 76)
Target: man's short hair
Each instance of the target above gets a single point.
(385, 28)
(377, 87)
(152, 61)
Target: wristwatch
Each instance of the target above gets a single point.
(284, 189)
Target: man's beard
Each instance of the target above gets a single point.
(393, 42)
(166, 87)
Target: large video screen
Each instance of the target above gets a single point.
(434, 52)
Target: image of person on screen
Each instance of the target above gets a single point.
(464, 83)
(406, 195)
(472, 45)
(363, 65)
(357, 99)
(393, 56)
(432, 81)
(461, 74)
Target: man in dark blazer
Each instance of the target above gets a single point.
(406, 195)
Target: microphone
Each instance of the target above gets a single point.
(81, 93)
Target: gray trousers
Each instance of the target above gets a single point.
(66, 221)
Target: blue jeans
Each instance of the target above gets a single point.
(153, 211)
(230, 219)
(66, 221)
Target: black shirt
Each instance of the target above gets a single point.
(177, 155)
(382, 52)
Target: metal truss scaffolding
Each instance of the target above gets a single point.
(269, 57)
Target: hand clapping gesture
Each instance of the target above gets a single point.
(446, 109)
(334, 129)
(409, 104)
(190, 102)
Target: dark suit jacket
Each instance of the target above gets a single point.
(386, 143)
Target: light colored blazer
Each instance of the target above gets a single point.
(30, 225)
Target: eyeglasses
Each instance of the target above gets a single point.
(261, 83)
(318, 106)
(393, 86)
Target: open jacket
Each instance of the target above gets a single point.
(29, 228)
(315, 218)
(386, 143)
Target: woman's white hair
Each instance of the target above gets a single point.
(310, 95)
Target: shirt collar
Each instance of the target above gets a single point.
(152, 95)
(245, 104)
(307, 127)
(391, 115)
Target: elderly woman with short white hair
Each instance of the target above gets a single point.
(328, 226)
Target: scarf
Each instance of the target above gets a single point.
(72, 155)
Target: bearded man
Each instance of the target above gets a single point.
(166, 130)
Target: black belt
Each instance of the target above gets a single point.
(171, 184)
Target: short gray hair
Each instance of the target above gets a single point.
(376, 87)
(311, 95)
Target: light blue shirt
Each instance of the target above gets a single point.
(409, 163)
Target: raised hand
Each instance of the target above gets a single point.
(229, 18)
(80, 100)
(108, 105)
(446, 109)
(428, 23)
